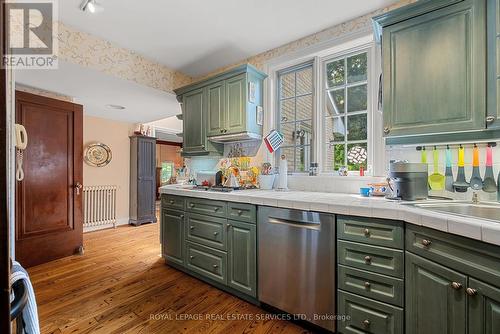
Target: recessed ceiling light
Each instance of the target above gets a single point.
(115, 106)
(92, 6)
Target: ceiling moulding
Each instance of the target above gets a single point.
(362, 23)
(93, 52)
(43, 92)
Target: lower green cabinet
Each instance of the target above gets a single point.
(435, 298)
(484, 308)
(242, 255)
(172, 235)
(212, 243)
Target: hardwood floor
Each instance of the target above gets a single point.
(122, 285)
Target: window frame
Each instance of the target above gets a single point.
(369, 108)
(277, 115)
(318, 54)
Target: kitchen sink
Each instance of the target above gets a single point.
(482, 210)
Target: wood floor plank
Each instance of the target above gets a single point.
(122, 285)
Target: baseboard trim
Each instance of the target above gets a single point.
(119, 222)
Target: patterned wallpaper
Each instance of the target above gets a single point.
(358, 24)
(93, 52)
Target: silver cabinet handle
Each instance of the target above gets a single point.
(490, 119)
(229, 226)
(368, 259)
(191, 205)
(387, 130)
(216, 233)
(181, 216)
(366, 232)
(471, 292)
(191, 257)
(366, 323)
(216, 209)
(456, 285)
(240, 212)
(368, 285)
(191, 227)
(426, 243)
(215, 266)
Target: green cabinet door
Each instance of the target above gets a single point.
(242, 255)
(434, 69)
(215, 109)
(236, 104)
(484, 308)
(493, 29)
(172, 225)
(435, 298)
(193, 122)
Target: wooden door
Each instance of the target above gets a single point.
(49, 199)
(242, 257)
(216, 116)
(194, 126)
(434, 71)
(484, 308)
(433, 305)
(236, 104)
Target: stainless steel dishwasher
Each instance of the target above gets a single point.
(297, 263)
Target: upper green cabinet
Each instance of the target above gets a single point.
(224, 108)
(493, 27)
(434, 67)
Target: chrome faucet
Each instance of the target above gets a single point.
(475, 197)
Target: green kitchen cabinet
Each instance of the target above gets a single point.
(493, 28)
(435, 298)
(216, 111)
(434, 67)
(172, 236)
(484, 308)
(235, 120)
(224, 108)
(242, 257)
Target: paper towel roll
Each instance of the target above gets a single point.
(283, 174)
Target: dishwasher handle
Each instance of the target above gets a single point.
(312, 225)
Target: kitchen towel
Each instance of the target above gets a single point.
(30, 313)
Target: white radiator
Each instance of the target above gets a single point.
(99, 207)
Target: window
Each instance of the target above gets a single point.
(295, 115)
(345, 113)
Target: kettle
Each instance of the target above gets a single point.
(408, 181)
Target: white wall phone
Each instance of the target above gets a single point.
(21, 144)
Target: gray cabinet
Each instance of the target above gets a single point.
(221, 106)
(142, 180)
(213, 240)
(242, 257)
(483, 307)
(172, 235)
(434, 68)
(493, 35)
(435, 298)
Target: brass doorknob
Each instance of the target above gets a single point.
(366, 323)
(368, 285)
(471, 291)
(426, 242)
(456, 285)
(367, 232)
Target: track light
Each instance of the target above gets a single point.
(91, 6)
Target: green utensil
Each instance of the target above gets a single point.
(436, 180)
(424, 156)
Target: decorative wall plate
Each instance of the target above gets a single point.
(97, 155)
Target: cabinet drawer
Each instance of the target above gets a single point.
(372, 231)
(372, 258)
(206, 207)
(368, 316)
(472, 257)
(379, 287)
(205, 261)
(206, 230)
(172, 202)
(242, 212)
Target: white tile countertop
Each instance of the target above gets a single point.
(353, 205)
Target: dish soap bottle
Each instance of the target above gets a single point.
(283, 174)
(498, 188)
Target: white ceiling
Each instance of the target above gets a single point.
(94, 90)
(198, 36)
